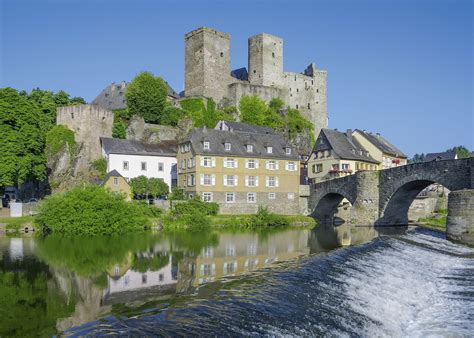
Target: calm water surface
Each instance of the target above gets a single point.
(343, 281)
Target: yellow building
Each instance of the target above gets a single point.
(240, 167)
(337, 154)
(380, 149)
(117, 183)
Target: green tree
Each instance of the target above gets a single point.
(119, 130)
(252, 110)
(146, 96)
(157, 187)
(58, 137)
(172, 115)
(139, 186)
(461, 151)
(417, 158)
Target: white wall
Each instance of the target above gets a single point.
(115, 161)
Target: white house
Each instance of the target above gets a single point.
(132, 159)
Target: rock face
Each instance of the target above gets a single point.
(138, 130)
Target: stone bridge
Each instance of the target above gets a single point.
(384, 197)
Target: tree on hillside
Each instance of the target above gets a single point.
(252, 110)
(142, 187)
(146, 96)
(461, 151)
(418, 158)
(25, 120)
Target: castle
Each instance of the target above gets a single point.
(208, 74)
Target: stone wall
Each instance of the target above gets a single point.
(239, 89)
(460, 223)
(265, 55)
(138, 130)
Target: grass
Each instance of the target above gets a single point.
(437, 223)
(17, 222)
(236, 221)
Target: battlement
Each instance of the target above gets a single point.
(206, 30)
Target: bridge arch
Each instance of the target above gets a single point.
(327, 206)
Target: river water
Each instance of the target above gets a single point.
(343, 281)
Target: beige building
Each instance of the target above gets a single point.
(117, 183)
(380, 149)
(337, 154)
(241, 167)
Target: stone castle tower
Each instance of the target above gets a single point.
(208, 74)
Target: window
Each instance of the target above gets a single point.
(207, 269)
(227, 146)
(116, 181)
(269, 150)
(183, 164)
(309, 106)
(161, 166)
(207, 196)
(249, 148)
(291, 195)
(290, 166)
(191, 180)
(252, 164)
(230, 180)
(230, 250)
(143, 166)
(161, 277)
(251, 197)
(230, 197)
(230, 267)
(272, 181)
(222, 54)
(272, 165)
(271, 195)
(346, 166)
(230, 163)
(288, 151)
(208, 252)
(335, 167)
(251, 181)
(144, 278)
(207, 179)
(206, 162)
(207, 145)
(317, 168)
(125, 165)
(273, 54)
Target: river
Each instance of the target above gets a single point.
(342, 281)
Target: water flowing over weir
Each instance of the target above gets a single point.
(342, 281)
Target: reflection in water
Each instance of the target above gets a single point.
(81, 280)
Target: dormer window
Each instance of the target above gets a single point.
(269, 150)
(288, 151)
(227, 146)
(249, 148)
(207, 145)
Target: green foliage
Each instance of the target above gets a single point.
(263, 218)
(100, 165)
(89, 210)
(204, 112)
(146, 96)
(418, 158)
(142, 187)
(58, 137)
(461, 151)
(119, 130)
(177, 194)
(151, 261)
(146, 209)
(24, 121)
(253, 110)
(191, 215)
(195, 204)
(172, 115)
(437, 222)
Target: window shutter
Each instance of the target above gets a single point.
(267, 165)
(246, 164)
(213, 179)
(225, 162)
(202, 179)
(276, 181)
(225, 180)
(236, 180)
(256, 181)
(246, 181)
(236, 163)
(277, 165)
(266, 181)
(256, 164)
(213, 160)
(202, 161)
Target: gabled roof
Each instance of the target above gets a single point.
(113, 96)
(243, 127)
(113, 173)
(130, 147)
(240, 74)
(382, 144)
(344, 146)
(446, 155)
(239, 141)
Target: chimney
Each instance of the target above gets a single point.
(349, 134)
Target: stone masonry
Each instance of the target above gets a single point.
(208, 74)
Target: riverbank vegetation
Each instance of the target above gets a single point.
(436, 221)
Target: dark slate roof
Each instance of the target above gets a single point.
(130, 147)
(343, 146)
(382, 144)
(246, 128)
(447, 155)
(113, 173)
(240, 74)
(239, 141)
(113, 96)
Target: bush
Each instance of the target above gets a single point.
(58, 137)
(89, 210)
(143, 186)
(146, 209)
(264, 218)
(177, 194)
(101, 166)
(195, 204)
(191, 215)
(119, 130)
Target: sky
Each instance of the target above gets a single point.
(400, 68)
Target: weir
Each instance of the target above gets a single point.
(383, 197)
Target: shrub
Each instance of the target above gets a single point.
(119, 130)
(195, 204)
(177, 194)
(143, 186)
(146, 209)
(58, 137)
(191, 215)
(101, 166)
(89, 210)
(264, 218)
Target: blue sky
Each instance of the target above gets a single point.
(401, 68)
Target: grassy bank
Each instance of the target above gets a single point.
(237, 221)
(15, 223)
(436, 223)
